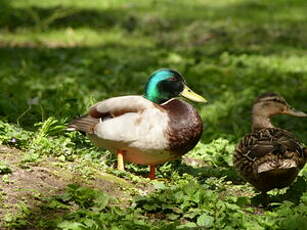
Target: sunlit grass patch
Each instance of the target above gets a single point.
(70, 37)
(97, 4)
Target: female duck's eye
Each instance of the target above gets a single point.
(279, 101)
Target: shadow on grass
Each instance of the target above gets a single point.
(64, 82)
(260, 22)
(63, 76)
(201, 172)
(41, 217)
(293, 194)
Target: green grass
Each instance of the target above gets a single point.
(59, 57)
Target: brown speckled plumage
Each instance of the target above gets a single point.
(273, 149)
(270, 157)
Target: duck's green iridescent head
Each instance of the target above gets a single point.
(165, 84)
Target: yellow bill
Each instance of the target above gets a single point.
(189, 94)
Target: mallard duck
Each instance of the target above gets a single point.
(149, 129)
(270, 157)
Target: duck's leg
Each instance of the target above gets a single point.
(152, 172)
(120, 160)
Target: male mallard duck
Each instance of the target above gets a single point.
(149, 129)
(270, 157)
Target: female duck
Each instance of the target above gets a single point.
(270, 157)
(149, 129)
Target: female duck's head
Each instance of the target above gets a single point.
(165, 84)
(268, 105)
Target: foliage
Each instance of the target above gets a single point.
(13, 135)
(217, 153)
(93, 209)
(197, 205)
(182, 205)
(4, 168)
(60, 57)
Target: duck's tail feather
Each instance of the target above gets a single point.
(85, 124)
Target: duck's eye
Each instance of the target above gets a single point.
(172, 79)
(279, 101)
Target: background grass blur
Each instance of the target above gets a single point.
(69, 54)
(60, 56)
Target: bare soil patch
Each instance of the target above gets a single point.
(30, 185)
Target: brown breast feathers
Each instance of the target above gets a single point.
(185, 126)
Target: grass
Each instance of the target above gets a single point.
(59, 57)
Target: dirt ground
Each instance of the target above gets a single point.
(30, 184)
